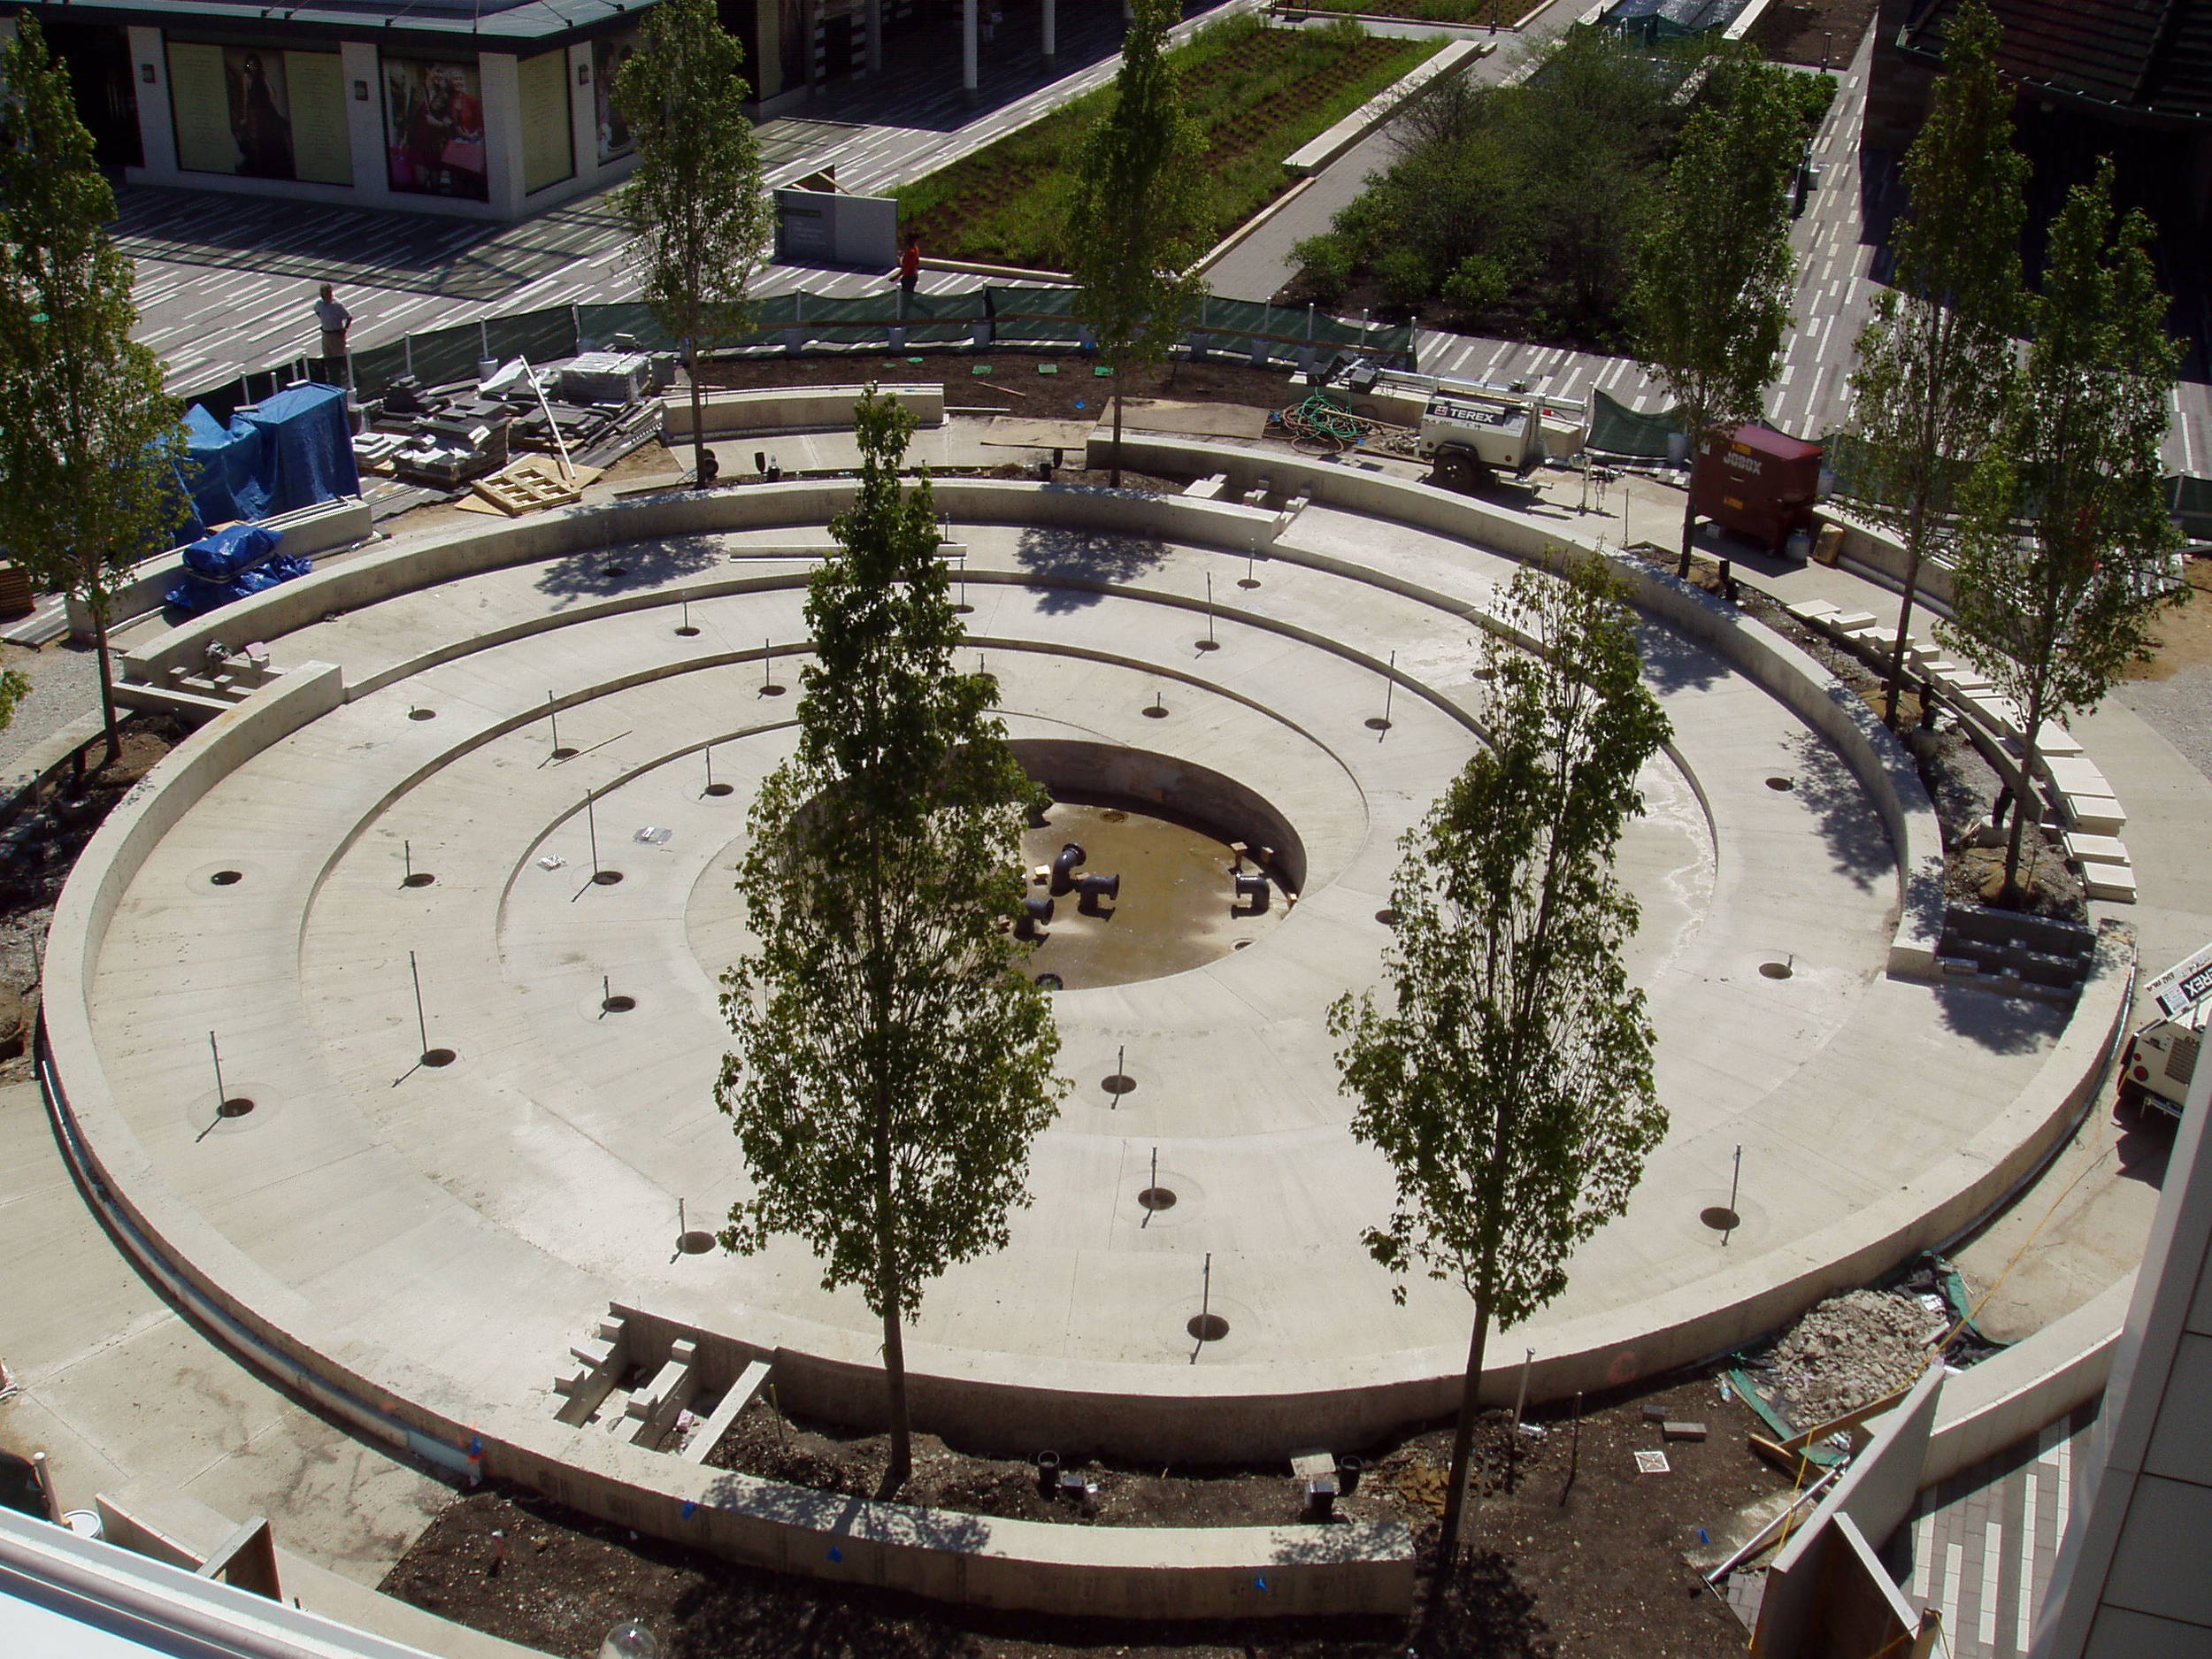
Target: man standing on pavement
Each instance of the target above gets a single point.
(334, 319)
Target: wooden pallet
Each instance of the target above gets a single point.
(521, 489)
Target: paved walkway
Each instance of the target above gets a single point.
(226, 282)
(1980, 1546)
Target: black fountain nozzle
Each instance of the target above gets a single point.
(1064, 865)
(1098, 887)
(1252, 889)
(1037, 911)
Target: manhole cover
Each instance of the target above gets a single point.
(236, 1106)
(1376, 723)
(1720, 1218)
(695, 1242)
(1781, 783)
(418, 879)
(617, 1004)
(228, 878)
(565, 753)
(1388, 917)
(1157, 711)
(772, 690)
(1052, 981)
(1208, 1327)
(1777, 970)
(1206, 645)
(718, 790)
(422, 714)
(606, 877)
(614, 572)
(439, 1056)
(686, 633)
(1156, 1198)
(1119, 1083)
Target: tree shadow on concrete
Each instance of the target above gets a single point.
(1843, 813)
(1673, 664)
(628, 568)
(1999, 1023)
(1074, 568)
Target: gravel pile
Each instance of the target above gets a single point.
(1850, 1351)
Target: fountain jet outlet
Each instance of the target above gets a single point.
(1098, 887)
(1037, 912)
(1252, 889)
(1064, 867)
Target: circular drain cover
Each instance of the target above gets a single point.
(1720, 1218)
(236, 1106)
(1777, 970)
(1781, 783)
(695, 1242)
(617, 1004)
(419, 879)
(1208, 1327)
(1156, 1198)
(228, 878)
(439, 1056)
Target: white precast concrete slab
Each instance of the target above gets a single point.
(477, 1218)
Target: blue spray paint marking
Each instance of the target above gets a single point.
(690, 1508)
(836, 1554)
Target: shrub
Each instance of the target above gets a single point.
(1328, 261)
(1477, 282)
(1406, 275)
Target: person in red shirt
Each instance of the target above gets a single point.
(909, 273)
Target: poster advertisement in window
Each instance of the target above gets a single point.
(233, 110)
(549, 144)
(608, 53)
(433, 128)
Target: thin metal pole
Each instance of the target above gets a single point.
(407, 858)
(591, 827)
(709, 753)
(763, 663)
(422, 1022)
(1205, 1303)
(1209, 607)
(1736, 1180)
(553, 714)
(221, 1093)
(1390, 684)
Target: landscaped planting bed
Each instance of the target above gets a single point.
(1257, 94)
(1497, 12)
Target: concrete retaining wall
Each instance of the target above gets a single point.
(1809, 690)
(790, 408)
(1227, 1410)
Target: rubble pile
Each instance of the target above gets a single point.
(1851, 1350)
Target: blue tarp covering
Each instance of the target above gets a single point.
(232, 563)
(293, 451)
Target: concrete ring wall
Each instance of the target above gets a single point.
(992, 1562)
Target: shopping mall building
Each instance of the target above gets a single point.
(489, 109)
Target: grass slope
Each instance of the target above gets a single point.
(1257, 94)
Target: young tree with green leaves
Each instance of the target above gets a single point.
(1936, 357)
(1509, 1082)
(1137, 216)
(1710, 300)
(2067, 553)
(894, 1059)
(697, 207)
(88, 439)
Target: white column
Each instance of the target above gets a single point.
(583, 111)
(502, 132)
(365, 121)
(1052, 29)
(967, 46)
(157, 129)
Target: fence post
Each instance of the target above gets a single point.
(575, 328)
(407, 348)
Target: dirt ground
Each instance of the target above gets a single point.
(1804, 31)
(30, 883)
(1589, 1568)
(2185, 634)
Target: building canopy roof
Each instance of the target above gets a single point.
(491, 25)
(2147, 59)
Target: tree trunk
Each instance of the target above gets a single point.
(902, 1464)
(1892, 691)
(1463, 1441)
(2030, 797)
(698, 421)
(97, 603)
(1114, 481)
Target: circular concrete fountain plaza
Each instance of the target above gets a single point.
(476, 1218)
